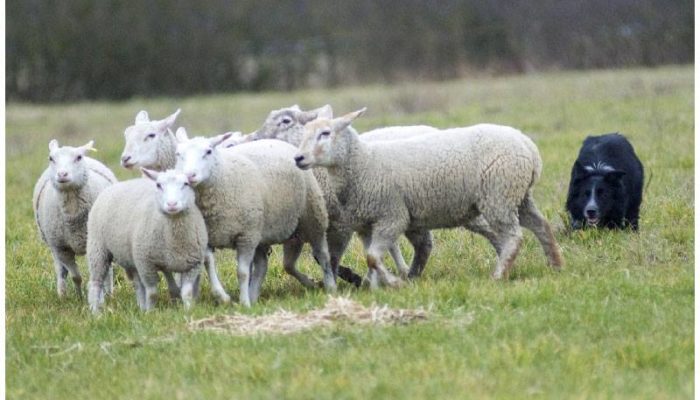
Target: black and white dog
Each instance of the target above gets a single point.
(606, 184)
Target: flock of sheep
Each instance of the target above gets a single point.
(303, 177)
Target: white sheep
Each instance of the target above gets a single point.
(438, 180)
(151, 144)
(62, 198)
(287, 124)
(253, 196)
(159, 229)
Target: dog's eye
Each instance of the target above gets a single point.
(588, 192)
(599, 192)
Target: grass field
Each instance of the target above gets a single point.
(617, 322)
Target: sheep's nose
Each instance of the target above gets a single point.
(191, 176)
(172, 203)
(62, 174)
(125, 159)
(299, 158)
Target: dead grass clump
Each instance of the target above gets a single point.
(336, 310)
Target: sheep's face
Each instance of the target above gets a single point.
(146, 139)
(323, 142)
(67, 165)
(174, 194)
(197, 157)
(287, 124)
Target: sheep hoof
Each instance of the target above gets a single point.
(224, 299)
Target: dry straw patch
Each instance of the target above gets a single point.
(336, 310)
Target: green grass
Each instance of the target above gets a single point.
(617, 322)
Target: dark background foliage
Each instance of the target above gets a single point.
(86, 49)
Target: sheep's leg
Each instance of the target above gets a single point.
(292, 249)
(244, 257)
(532, 219)
(67, 260)
(395, 252)
(377, 247)
(109, 282)
(61, 274)
(509, 238)
(422, 242)
(149, 280)
(480, 226)
(99, 266)
(189, 281)
(337, 243)
(216, 287)
(138, 288)
(319, 248)
(259, 272)
(173, 287)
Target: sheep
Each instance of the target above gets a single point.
(452, 178)
(253, 196)
(160, 229)
(287, 124)
(62, 198)
(151, 144)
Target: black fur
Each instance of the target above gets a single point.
(609, 164)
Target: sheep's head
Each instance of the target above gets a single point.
(197, 157)
(67, 165)
(322, 143)
(174, 194)
(146, 139)
(287, 124)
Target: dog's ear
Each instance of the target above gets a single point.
(614, 175)
(579, 171)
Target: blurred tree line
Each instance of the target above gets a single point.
(87, 49)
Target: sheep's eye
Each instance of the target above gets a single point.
(286, 121)
(177, 154)
(159, 186)
(185, 184)
(208, 151)
(325, 134)
(150, 136)
(50, 159)
(78, 158)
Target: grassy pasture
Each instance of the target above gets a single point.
(617, 322)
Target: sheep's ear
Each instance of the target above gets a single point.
(325, 112)
(181, 135)
(141, 117)
(304, 117)
(217, 140)
(53, 145)
(295, 107)
(87, 146)
(168, 121)
(150, 174)
(344, 121)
